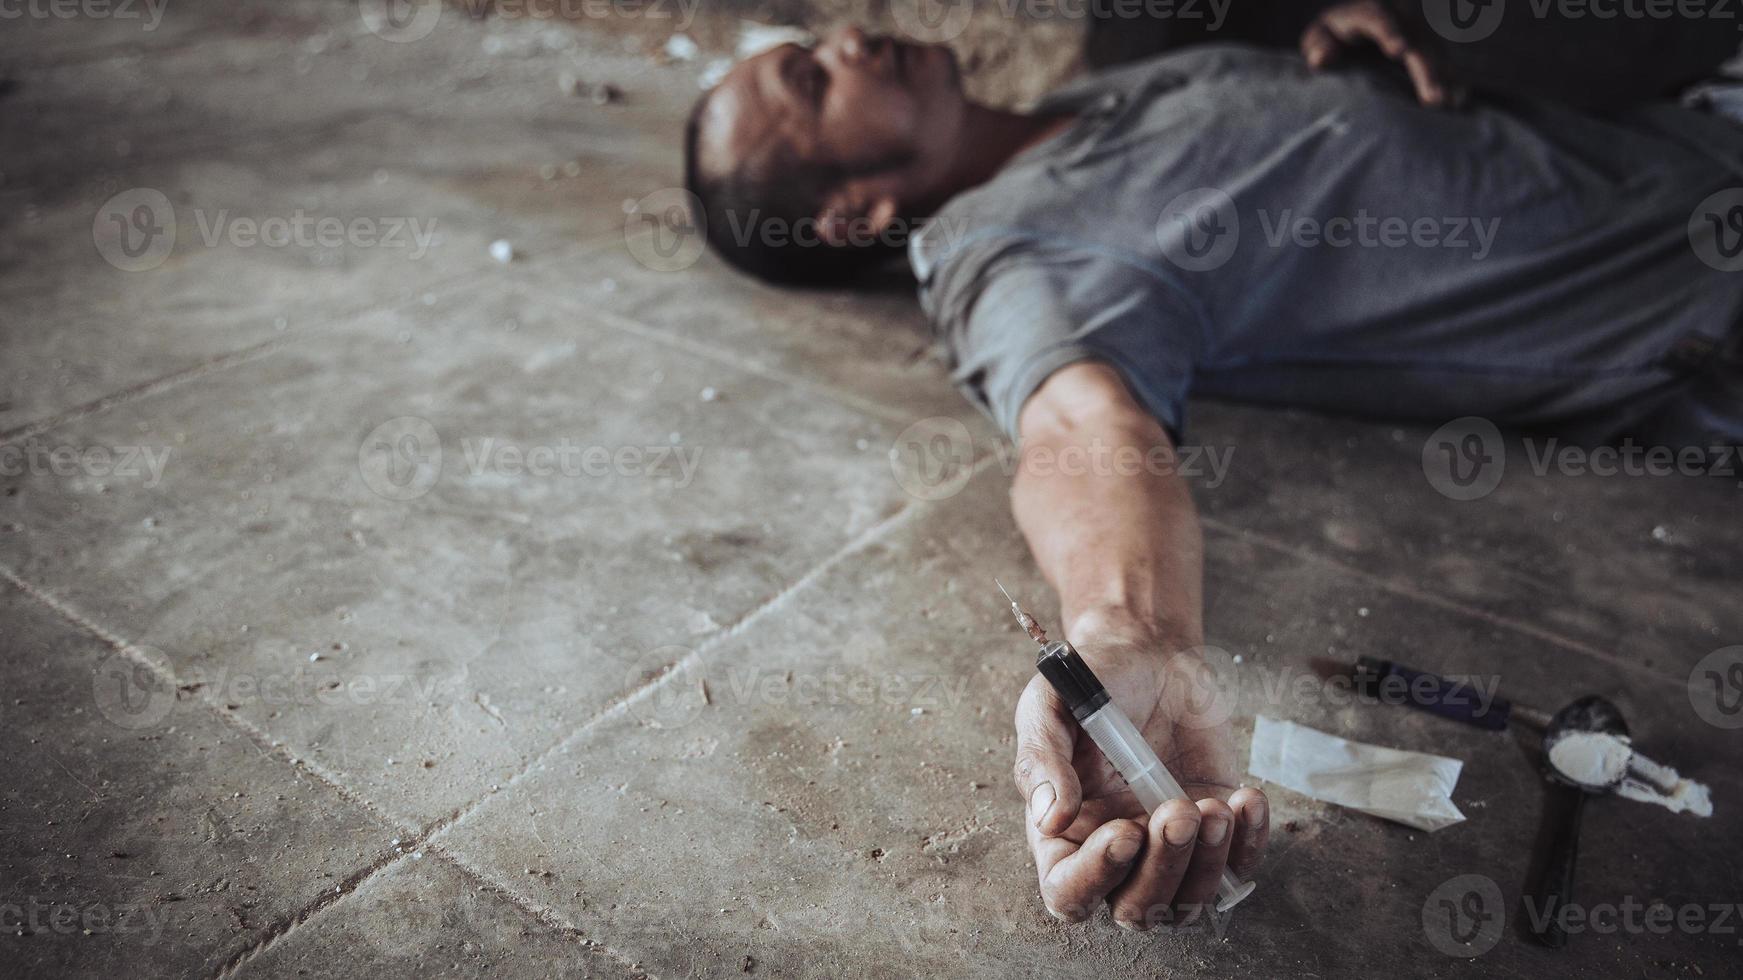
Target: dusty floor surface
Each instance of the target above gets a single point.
(372, 607)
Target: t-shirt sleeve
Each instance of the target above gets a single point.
(1031, 316)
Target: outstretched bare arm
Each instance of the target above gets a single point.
(1112, 526)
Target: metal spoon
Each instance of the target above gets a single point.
(1555, 887)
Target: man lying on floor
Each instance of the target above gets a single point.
(1224, 221)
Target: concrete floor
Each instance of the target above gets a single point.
(311, 699)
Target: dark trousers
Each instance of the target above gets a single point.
(1587, 61)
(1708, 411)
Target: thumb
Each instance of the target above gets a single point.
(1046, 736)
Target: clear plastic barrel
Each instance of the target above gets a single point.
(1151, 781)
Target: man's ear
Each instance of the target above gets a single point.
(850, 217)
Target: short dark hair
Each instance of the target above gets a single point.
(762, 218)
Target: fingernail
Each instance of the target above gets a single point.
(1213, 830)
(1178, 833)
(1040, 801)
(1256, 816)
(1070, 913)
(1124, 849)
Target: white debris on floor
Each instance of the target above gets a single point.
(680, 47)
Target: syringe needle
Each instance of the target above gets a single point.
(1026, 621)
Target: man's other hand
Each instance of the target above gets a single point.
(1089, 835)
(1343, 28)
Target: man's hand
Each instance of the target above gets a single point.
(1122, 545)
(1343, 28)
(1088, 833)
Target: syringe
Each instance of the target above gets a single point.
(1115, 735)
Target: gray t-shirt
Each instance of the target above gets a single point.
(1223, 222)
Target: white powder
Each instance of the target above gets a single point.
(1591, 758)
(1597, 759)
(1686, 795)
(1672, 790)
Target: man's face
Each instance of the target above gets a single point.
(855, 102)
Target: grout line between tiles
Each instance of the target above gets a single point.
(1411, 592)
(271, 747)
(842, 396)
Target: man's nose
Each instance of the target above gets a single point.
(848, 44)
